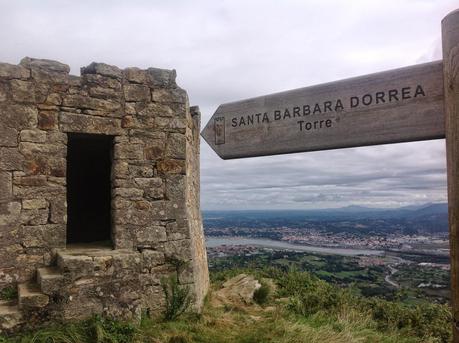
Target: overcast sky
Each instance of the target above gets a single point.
(230, 50)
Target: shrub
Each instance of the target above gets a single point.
(308, 294)
(9, 293)
(423, 320)
(178, 297)
(261, 295)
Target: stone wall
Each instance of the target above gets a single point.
(155, 180)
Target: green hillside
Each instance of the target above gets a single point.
(289, 307)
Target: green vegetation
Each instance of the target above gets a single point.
(9, 293)
(302, 308)
(261, 295)
(94, 330)
(346, 271)
(178, 297)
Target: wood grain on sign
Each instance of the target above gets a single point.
(450, 42)
(394, 106)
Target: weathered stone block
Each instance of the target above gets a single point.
(175, 187)
(175, 210)
(153, 187)
(6, 186)
(50, 235)
(176, 123)
(136, 75)
(177, 230)
(129, 108)
(19, 116)
(99, 80)
(104, 93)
(75, 265)
(153, 258)
(128, 151)
(135, 92)
(127, 260)
(45, 64)
(145, 135)
(56, 137)
(141, 170)
(29, 149)
(34, 136)
(146, 182)
(150, 235)
(34, 204)
(58, 210)
(10, 159)
(162, 77)
(70, 122)
(176, 146)
(22, 180)
(129, 193)
(149, 109)
(54, 99)
(47, 120)
(9, 211)
(178, 249)
(86, 102)
(171, 167)
(8, 136)
(11, 71)
(34, 217)
(45, 165)
(166, 96)
(143, 213)
(23, 91)
(121, 203)
(37, 191)
(120, 169)
(154, 150)
(102, 69)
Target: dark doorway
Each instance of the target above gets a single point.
(88, 188)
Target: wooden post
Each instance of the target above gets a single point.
(450, 41)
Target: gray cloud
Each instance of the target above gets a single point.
(229, 50)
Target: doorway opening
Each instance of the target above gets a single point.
(89, 161)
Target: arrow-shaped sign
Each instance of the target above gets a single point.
(394, 106)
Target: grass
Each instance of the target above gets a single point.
(303, 308)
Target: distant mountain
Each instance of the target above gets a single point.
(425, 218)
(440, 208)
(405, 211)
(354, 209)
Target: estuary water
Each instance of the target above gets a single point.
(212, 242)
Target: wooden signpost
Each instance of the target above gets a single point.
(390, 107)
(410, 104)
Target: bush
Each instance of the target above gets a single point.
(309, 295)
(178, 297)
(261, 295)
(9, 293)
(423, 320)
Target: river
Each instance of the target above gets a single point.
(212, 242)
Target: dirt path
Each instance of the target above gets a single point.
(392, 272)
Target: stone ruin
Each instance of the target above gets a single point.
(99, 192)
